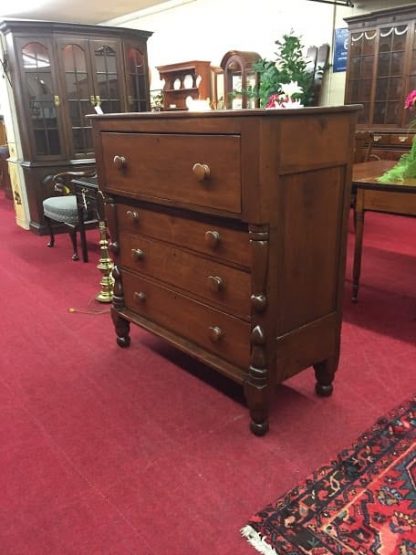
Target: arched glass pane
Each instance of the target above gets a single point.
(79, 98)
(35, 56)
(107, 78)
(136, 80)
(42, 110)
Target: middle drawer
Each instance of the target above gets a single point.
(222, 285)
(213, 238)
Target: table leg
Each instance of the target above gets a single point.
(359, 229)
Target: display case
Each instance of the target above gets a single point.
(239, 76)
(197, 79)
(381, 71)
(60, 74)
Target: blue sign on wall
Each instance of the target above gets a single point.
(340, 50)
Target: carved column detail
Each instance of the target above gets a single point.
(259, 241)
(257, 380)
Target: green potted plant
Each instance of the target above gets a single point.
(290, 68)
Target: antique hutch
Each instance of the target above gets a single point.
(381, 72)
(60, 73)
(197, 79)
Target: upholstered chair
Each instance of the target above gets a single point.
(71, 210)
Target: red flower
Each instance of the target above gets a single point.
(273, 100)
(410, 100)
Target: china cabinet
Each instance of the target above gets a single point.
(381, 71)
(60, 73)
(239, 76)
(197, 79)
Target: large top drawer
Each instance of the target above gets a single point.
(201, 170)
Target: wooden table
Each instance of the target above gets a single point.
(391, 198)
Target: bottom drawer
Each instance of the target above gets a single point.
(226, 336)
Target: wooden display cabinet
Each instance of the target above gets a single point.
(62, 72)
(196, 79)
(239, 75)
(381, 72)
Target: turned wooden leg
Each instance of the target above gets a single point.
(325, 372)
(358, 247)
(51, 233)
(73, 236)
(258, 403)
(257, 384)
(122, 327)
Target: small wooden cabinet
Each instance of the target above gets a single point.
(197, 79)
(381, 72)
(239, 76)
(228, 241)
(60, 73)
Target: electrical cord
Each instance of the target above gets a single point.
(73, 310)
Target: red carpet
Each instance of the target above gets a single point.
(362, 502)
(142, 450)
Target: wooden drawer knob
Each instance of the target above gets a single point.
(212, 238)
(402, 139)
(132, 215)
(259, 302)
(201, 171)
(120, 162)
(137, 254)
(215, 333)
(139, 296)
(215, 283)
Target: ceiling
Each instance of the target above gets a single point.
(99, 11)
(73, 11)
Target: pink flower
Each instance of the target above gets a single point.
(410, 100)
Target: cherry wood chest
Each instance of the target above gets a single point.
(228, 231)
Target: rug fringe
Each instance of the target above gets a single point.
(257, 541)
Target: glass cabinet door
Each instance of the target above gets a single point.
(107, 64)
(390, 80)
(362, 51)
(42, 98)
(136, 79)
(80, 97)
(409, 115)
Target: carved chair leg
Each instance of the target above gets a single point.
(51, 233)
(83, 241)
(73, 236)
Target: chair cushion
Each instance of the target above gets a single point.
(61, 209)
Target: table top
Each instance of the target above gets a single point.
(365, 175)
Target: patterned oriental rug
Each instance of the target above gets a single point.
(362, 503)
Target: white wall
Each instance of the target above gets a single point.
(207, 29)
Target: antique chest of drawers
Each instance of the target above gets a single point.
(228, 231)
